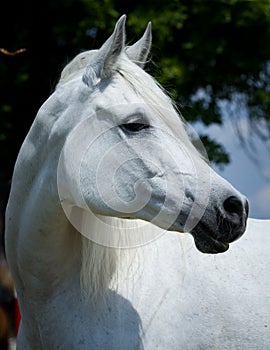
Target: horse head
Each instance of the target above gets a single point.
(127, 153)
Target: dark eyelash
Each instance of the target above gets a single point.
(134, 127)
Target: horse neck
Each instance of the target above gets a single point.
(52, 253)
(43, 248)
(52, 248)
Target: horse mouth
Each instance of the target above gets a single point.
(206, 240)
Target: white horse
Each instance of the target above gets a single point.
(104, 183)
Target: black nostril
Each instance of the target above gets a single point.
(233, 205)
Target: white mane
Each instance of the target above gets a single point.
(76, 66)
(106, 267)
(157, 97)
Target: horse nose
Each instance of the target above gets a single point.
(236, 212)
(234, 205)
(235, 216)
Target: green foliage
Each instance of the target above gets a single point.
(217, 151)
(205, 51)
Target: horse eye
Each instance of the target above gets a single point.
(134, 127)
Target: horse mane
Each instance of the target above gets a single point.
(111, 263)
(75, 66)
(157, 97)
(105, 265)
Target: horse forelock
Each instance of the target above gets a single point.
(154, 95)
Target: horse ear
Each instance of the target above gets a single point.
(102, 65)
(139, 52)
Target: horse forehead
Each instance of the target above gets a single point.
(121, 102)
(119, 92)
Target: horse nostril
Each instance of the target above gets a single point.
(233, 205)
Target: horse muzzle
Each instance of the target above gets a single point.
(214, 236)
